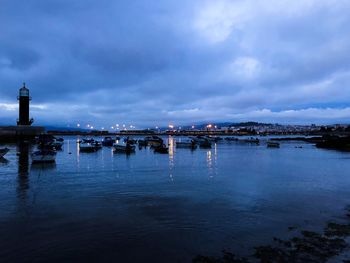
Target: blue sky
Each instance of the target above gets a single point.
(151, 63)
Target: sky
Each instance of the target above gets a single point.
(151, 63)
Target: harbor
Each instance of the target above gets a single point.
(186, 194)
(146, 206)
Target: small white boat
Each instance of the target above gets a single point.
(87, 147)
(123, 148)
(44, 156)
(186, 144)
(3, 151)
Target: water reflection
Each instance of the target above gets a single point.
(23, 168)
(171, 157)
(212, 161)
(42, 166)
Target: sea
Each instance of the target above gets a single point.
(150, 207)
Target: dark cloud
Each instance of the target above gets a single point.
(149, 63)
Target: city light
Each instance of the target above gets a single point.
(171, 126)
(78, 125)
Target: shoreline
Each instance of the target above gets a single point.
(305, 246)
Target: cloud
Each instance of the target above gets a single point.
(149, 63)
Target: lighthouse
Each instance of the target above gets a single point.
(24, 99)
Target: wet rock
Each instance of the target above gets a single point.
(227, 257)
(340, 230)
(309, 246)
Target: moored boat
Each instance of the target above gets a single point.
(154, 141)
(57, 144)
(205, 143)
(231, 139)
(44, 156)
(273, 144)
(142, 143)
(252, 140)
(123, 148)
(108, 141)
(97, 144)
(87, 146)
(3, 151)
(214, 138)
(161, 149)
(186, 144)
(129, 140)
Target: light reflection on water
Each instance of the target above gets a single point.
(164, 208)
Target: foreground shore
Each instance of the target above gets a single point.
(330, 245)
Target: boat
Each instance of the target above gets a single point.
(252, 140)
(273, 144)
(231, 139)
(88, 140)
(129, 140)
(124, 148)
(142, 143)
(186, 144)
(205, 143)
(44, 156)
(57, 144)
(108, 141)
(49, 141)
(161, 149)
(87, 146)
(199, 139)
(154, 141)
(214, 138)
(3, 151)
(97, 144)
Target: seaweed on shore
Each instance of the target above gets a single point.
(308, 246)
(227, 257)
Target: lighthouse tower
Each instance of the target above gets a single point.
(24, 99)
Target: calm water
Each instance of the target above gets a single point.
(150, 207)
